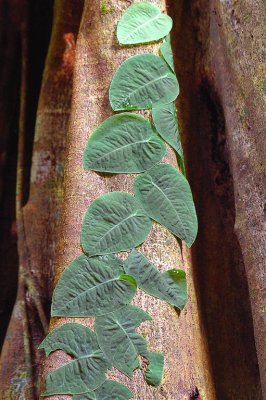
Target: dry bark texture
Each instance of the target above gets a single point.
(97, 58)
(210, 348)
(37, 221)
(220, 62)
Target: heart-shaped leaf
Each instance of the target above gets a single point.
(154, 373)
(141, 82)
(86, 371)
(118, 339)
(92, 286)
(124, 143)
(114, 222)
(110, 390)
(165, 195)
(142, 23)
(166, 52)
(169, 286)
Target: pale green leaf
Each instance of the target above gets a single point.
(154, 373)
(123, 143)
(165, 195)
(166, 52)
(169, 286)
(118, 339)
(86, 371)
(92, 286)
(141, 82)
(114, 222)
(142, 23)
(165, 121)
(110, 390)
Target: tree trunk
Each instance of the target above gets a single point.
(220, 65)
(215, 348)
(37, 221)
(97, 57)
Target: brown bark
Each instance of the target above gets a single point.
(37, 221)
(210, 348)
(220, 64)
(97, 57)
(242, 42)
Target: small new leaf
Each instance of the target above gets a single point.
(92, 286)
(86, 371)
(110, 390)
(124, 143)
(142, 23)
(114, 222)
(118, 339)
(169, 286)
(141, 82)
(154, 373)
(165, 195)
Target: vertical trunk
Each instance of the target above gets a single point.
(37, 221)
(97, 57)
(219, 62)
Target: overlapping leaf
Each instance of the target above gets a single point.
(165, 195)
(92, 286)
(169, 286)
(118, 339)
(166, 123)
(154, 373)
(166, 52)
(114, 222)
(123, 143)
(142, 23)
(86, 371)
(110, 390)
(142, 82)
(165, 120)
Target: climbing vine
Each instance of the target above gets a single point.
(98, 283)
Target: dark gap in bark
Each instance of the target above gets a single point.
(40, 25)
(10, 54)
(218, 268)
(40, 20)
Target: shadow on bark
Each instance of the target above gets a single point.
(38, 34)
(218, 267)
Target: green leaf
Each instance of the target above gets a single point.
(166, 52)
(142, 23)
(169, 286)
(181, 164)
(92, 286)
(141, 82)
(114, 222)
(165, 195)
(118, 339)
(124, 143)
(165, 120)
(154, 372)
(86, 371)
(110, 390)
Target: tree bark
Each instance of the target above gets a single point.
(97, 58)
(37, 221)
(215, 348)
(219, 56)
